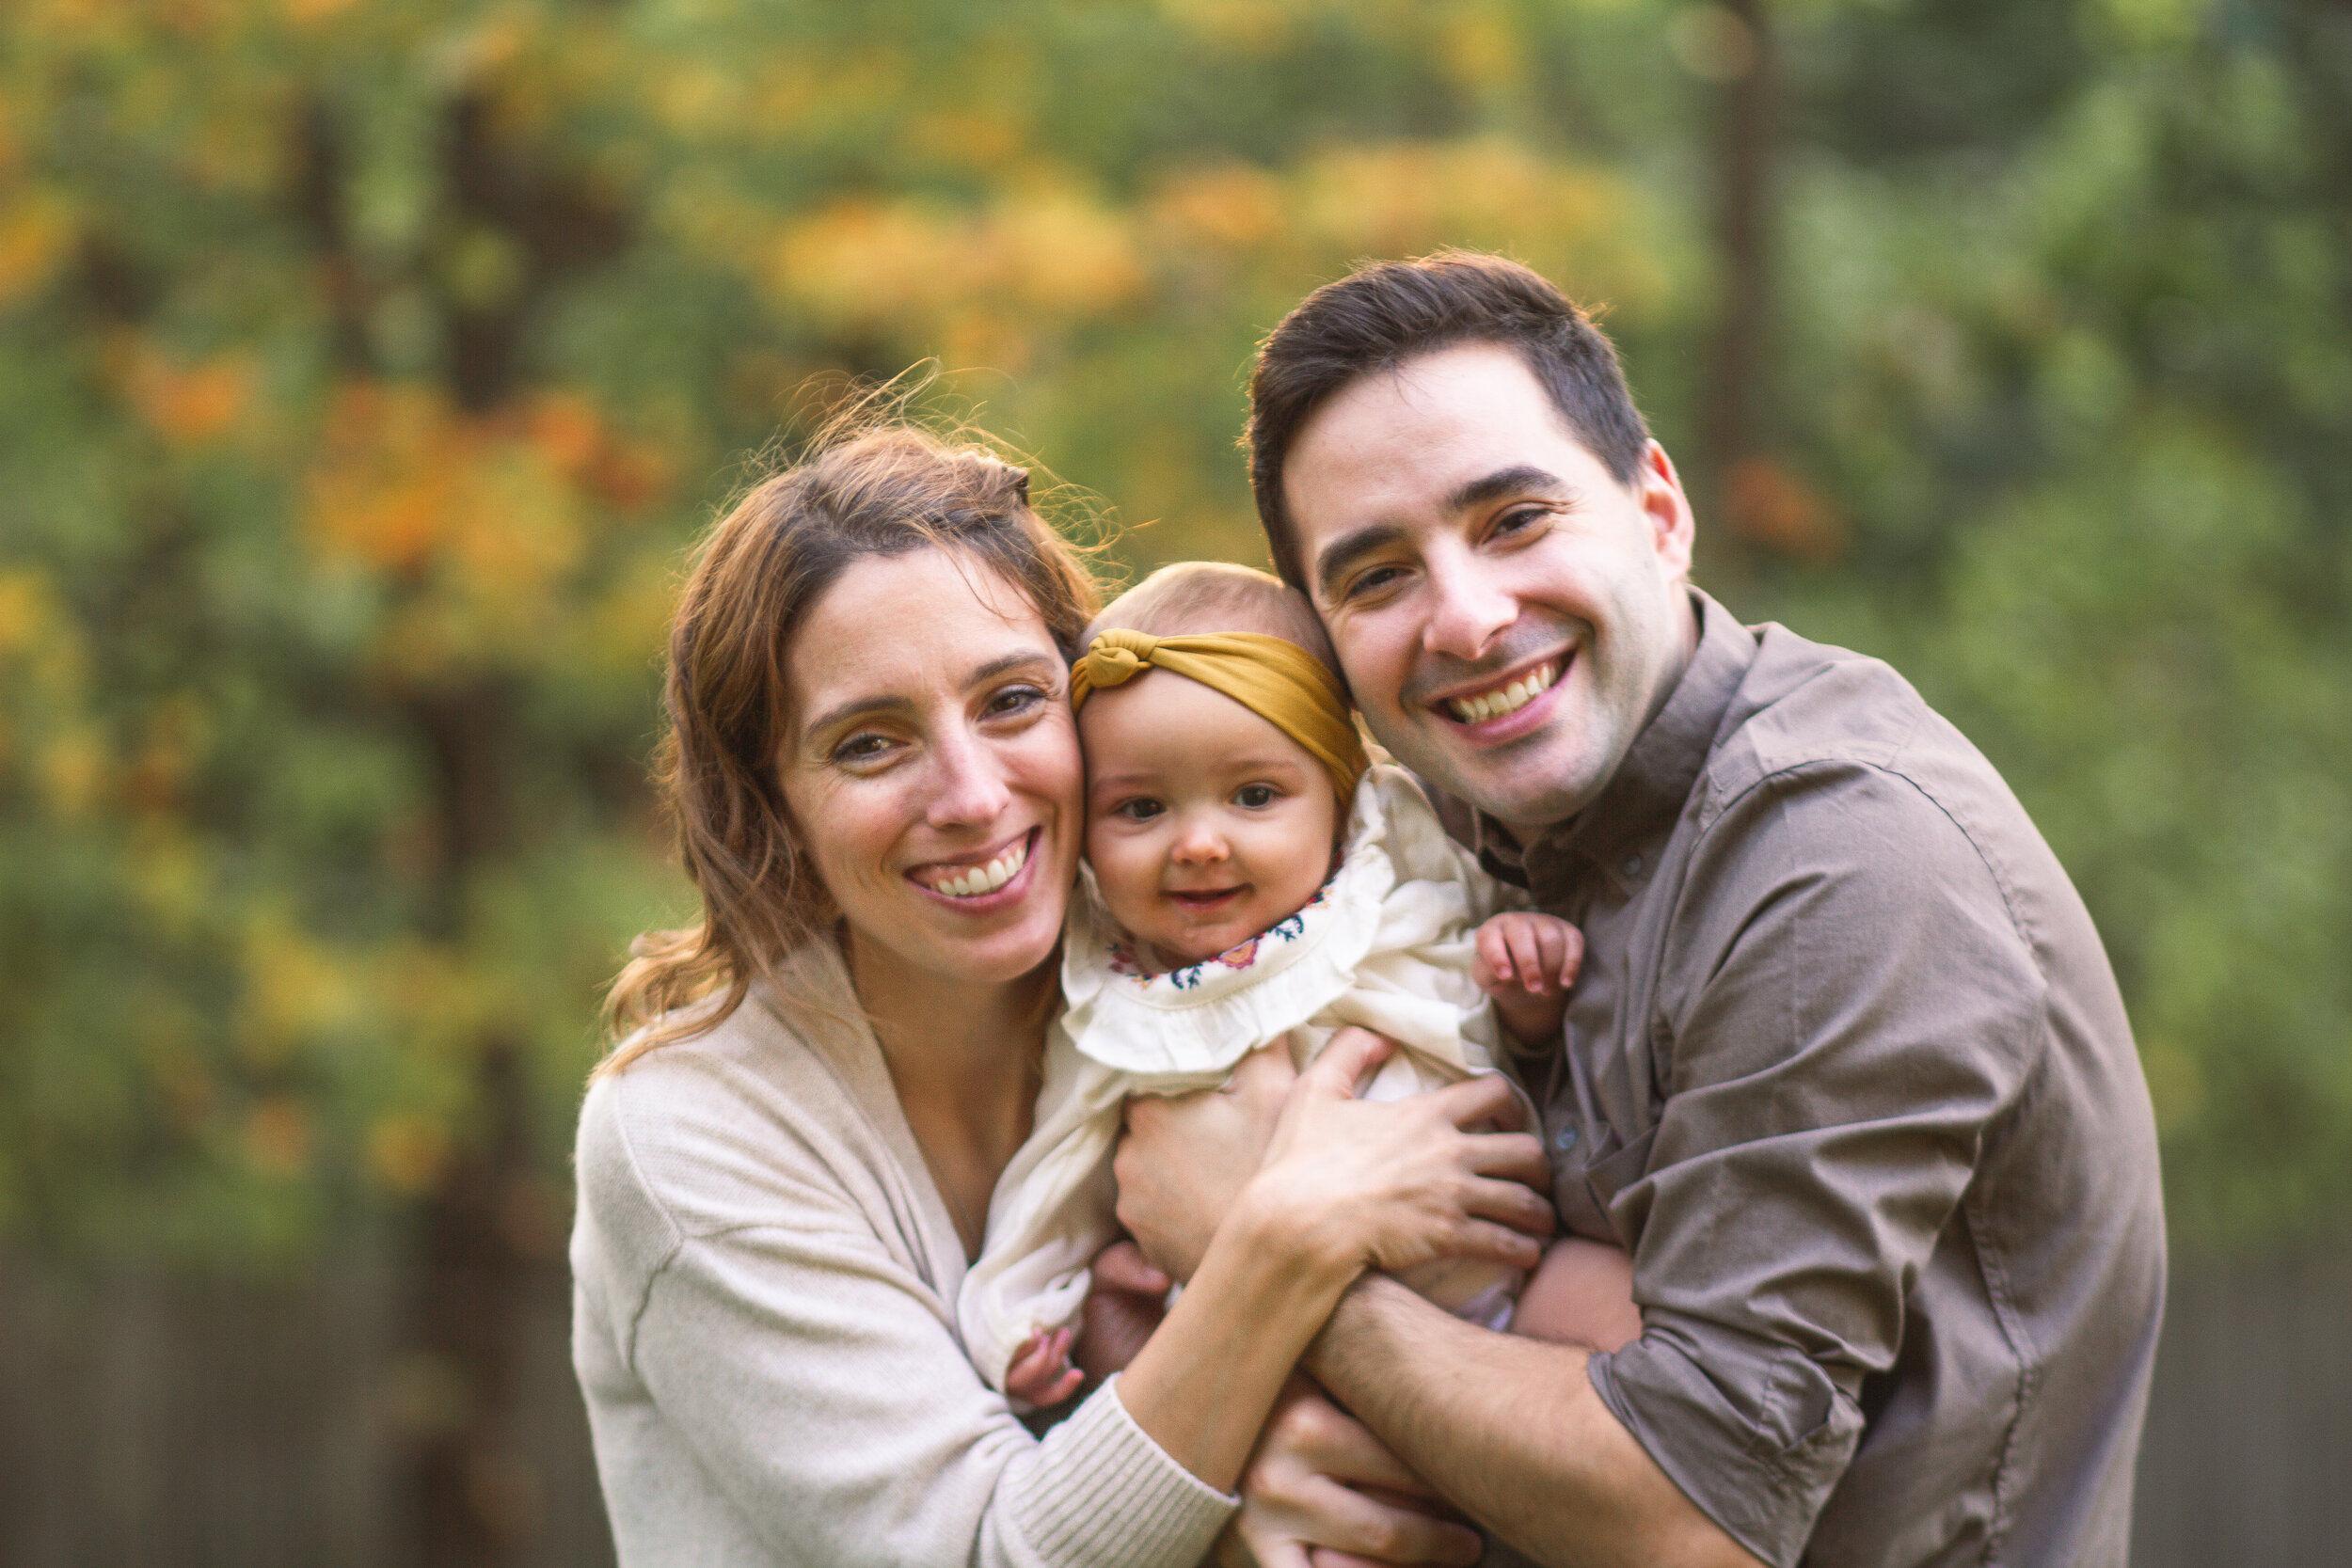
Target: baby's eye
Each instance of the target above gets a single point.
(1140, 809)
(1254, 797)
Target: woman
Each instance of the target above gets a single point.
(784, 1173)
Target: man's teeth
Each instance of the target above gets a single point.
(1494, 704)
(988, 878)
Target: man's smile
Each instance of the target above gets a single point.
(1499, 698)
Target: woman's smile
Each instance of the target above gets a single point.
(983, 883)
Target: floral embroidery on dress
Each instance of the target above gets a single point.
(1240, 956)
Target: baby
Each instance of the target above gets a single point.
(1253, 879)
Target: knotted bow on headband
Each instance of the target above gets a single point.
(1279, 681)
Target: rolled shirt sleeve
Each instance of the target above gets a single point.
(1846, 1006)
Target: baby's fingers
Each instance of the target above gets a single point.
(1491, 968)
(1038, 1369)
(1525, 938)
(1563, 951)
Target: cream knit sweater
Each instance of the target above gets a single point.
(764, 1325)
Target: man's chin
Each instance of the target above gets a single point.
(1530, 787)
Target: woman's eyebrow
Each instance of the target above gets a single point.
(858, 707)
(1026, 658)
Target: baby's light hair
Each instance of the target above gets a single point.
(1200, 597)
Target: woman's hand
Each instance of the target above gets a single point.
(1390, 1185)
(1321, 1489)
(1185, 1158)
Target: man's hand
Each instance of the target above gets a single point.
(1321, 1489)
(1184, 1158)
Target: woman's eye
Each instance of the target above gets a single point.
(1254, 797)
(1013, 699)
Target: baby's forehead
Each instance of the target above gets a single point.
(1167, 723)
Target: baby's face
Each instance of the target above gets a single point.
(1205, 824)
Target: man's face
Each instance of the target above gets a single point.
(1509, 616)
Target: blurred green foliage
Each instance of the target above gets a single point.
(366, 365)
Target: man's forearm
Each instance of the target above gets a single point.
(1511, 1431)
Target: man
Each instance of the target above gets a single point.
(1845, 1071)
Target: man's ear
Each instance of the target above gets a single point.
(1657, 489)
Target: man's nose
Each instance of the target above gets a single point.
(968, 787)
(1469, 610)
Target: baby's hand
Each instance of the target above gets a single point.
(1527, 961)
(1040, 1371)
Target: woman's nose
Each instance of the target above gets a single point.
(968, 787)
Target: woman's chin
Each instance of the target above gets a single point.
(1008, 949)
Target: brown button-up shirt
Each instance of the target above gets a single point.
(1845, 1069)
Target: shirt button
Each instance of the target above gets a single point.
(1633, 865)
(1564, 1139)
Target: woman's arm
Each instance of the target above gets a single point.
(1344, 1185)
(772, 1379)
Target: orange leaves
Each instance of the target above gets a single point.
(484, 522)
(186, 404)
(1767, 504)
(37, 231)
(1039, 259)
(981, 283)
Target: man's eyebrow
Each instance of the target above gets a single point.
(859, 707)
(1345, 551)
(1521, 479)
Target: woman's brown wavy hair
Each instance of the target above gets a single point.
(882, 491)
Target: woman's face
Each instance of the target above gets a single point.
(932, 767)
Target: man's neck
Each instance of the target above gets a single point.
(1670, 675)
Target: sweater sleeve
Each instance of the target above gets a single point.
(818, 1384)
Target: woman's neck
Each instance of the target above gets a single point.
(966, 1059)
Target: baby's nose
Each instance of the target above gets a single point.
(1197, 845)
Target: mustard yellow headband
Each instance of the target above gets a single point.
(1279, 681)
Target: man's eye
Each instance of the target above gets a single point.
(1373, 581)
(1520, 519)
(1254, 797)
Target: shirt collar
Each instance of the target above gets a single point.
(1645, 797)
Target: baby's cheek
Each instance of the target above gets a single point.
(1124, 871)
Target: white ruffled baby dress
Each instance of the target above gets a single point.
(1386, 944)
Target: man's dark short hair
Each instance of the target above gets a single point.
(1382, 315)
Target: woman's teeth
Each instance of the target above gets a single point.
(1494, 704)
(988, 878)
